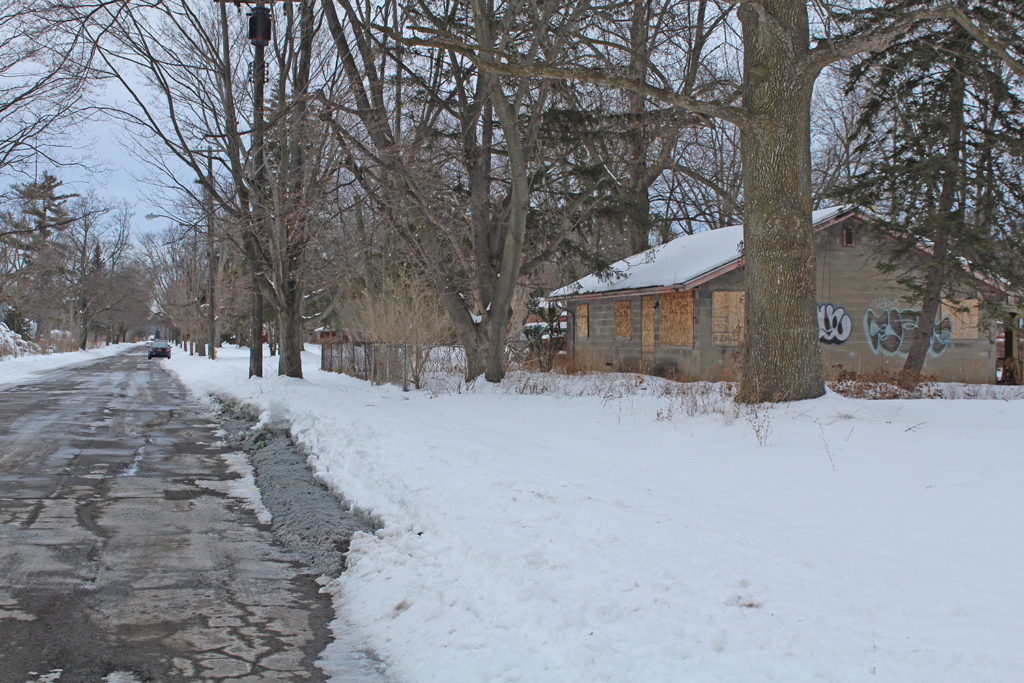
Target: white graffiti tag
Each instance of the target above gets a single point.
(889, 332)
(834, 325)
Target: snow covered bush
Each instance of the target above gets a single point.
(12, 345)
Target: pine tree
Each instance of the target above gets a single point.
(945, 123)
(38, 210)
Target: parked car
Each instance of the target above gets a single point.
(160, 348)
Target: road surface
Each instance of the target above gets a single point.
(115, 565)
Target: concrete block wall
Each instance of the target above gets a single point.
(846, 278)
(702, 361)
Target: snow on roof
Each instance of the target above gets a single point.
(683, 260)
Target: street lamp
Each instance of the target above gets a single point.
(260, 26)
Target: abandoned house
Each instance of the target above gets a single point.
(681, 306)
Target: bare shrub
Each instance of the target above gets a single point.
(580, 361)
(59, 341)
(669, 369)
(55, 341)
(882, 384)
(758, 416)
(662, 399)
(406, 311)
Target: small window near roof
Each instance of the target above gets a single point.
(849, 237)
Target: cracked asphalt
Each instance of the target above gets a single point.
(114, 564)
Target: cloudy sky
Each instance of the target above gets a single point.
(99, 159)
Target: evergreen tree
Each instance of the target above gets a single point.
(945, 122)
(38, 210)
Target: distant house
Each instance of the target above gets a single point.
(681, 305)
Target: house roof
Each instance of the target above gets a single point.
(682, 263)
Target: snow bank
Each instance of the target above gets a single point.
(540, 535)
(13, 370)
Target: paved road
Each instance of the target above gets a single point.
(114, 564)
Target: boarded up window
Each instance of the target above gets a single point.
(647, 324)
(623, 319)
(583, 320)
(965, 322)
(729, 315)
(676, 318)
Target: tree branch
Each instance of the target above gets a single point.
(872, 41)
(505, 65)
(983, 34)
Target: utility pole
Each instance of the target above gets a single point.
(260, 30)
(259, 36)
(211, 296)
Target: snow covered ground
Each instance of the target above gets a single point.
(596, 532)
(13, 370)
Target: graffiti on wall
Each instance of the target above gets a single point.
(834, 325)
(890, 332)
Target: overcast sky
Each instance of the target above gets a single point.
(100, 161)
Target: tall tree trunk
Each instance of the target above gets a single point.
(946, 221)
(638, 202)
(255, 313)
(290, 329)
(783, 359)
(476, 357)
(290, 298)
(211, 297)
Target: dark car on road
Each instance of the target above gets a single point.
(160, 348)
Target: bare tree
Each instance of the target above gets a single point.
(472, 173)
(196, 103)
(43, 82)
(174, 264)
(781, 63)
(85, 272)
(836, 154)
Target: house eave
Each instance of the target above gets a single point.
(659, 289)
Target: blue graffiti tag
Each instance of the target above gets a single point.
(834, 325)
(889, 332)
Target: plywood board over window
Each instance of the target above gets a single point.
(675, 316)
(583, 320)
(729, 318)
(965, 321)
(624, 319)
(647, 324)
